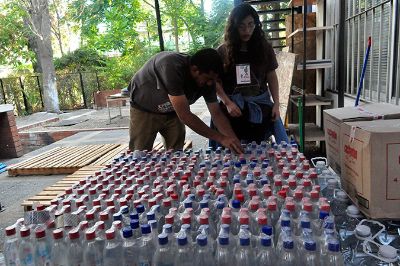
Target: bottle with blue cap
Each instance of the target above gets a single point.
(310, 256)
(223, 254)
(266, 253)
(333, 256)
(129, 247)
(204, 252)
(141, 212)
(184, 253)
(288, 254)
(154, 230)
(135, 226)
(164, 253)
(145, 246)
(319, 223)
(244, 254)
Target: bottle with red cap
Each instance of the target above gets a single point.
(59, 251)
(42, 247)
(272, 211)
(75, 248)
(10, 247)
(92, 253)
(113, 252)
(26, 248)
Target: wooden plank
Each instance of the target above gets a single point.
(108, 157)
(35, 158)
(188, 144)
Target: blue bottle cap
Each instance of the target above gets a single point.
(259, 151)
(140, 209)
(151, 216)
(220, 205)
(153, 224)
(134, 223)
(117, 217)
(236, 204)
(203, 204)
(223, 240)
(201, 165)
(125, 210)
(134, 216)
(238, 164)
(288, 244)
(214, 164)
(146, 229)
(334, 246)
(162, 239)
(249, 181)
(227, 165)
(201, 240)
(267, 229)
(305, 224)
(253, 164)
(242, 161)
(323, 214)
(182, 240)
(192, 197)
(245, 241)
(264, 180)
(187, 204)
(167, 228)
(266, 241)
(218, 151)
(310, 245)
(127, 232)
(236, 180)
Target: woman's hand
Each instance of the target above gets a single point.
(233, 109)
(275, 112)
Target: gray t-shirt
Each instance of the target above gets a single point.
(166, 73)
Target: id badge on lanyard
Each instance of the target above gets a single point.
(243, 74)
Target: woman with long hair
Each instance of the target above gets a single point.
(250, 80)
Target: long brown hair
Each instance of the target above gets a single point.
(255, 46)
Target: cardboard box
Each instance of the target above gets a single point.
(334, 118)
(370, 158)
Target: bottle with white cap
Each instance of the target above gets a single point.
(386, 255)
(329, 190)
(347, 224)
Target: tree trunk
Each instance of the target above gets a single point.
(41, 33)
(175, 24)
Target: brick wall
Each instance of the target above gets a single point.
(35, 140)
(10, 143)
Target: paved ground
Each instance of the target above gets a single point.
(13, 190)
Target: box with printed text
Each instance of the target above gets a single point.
(334, 118)
(370, 172)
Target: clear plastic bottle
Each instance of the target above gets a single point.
(75, 248)
(163, 255)
(203, 253)
(333, 257)
(59, 251)
(113, 252)
(145, 246)
(42, 248)
(288, 255)
(266, 253)
(92, 254)
(223, 254)
(10, 247)
(311, 254)
(244, 254)
(26, 249)
(184, 254)
(129, 247)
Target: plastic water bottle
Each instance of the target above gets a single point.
(163, 255)
(223, 254)
(184, 255)
(310, 255)
(203, 253)
(25, 249)
(58, 252)
(75, 249)
(333, 257)
(92, 254)
(146, 246)
(113, 253)
(288, 256)
(244, 253)
(10, 247)
(42, 248)
(266, 253)
(129, 247)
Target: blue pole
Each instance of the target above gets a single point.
(363, 72)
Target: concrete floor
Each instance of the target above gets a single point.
(13, 190)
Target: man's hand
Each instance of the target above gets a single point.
(233, 109)
(275, 112)
(233, 144)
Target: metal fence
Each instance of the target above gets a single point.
(75, 91)
(363, 18)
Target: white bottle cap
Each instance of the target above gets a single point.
(388, 252)
(332, 182)
(353, 211)
(320, 164)
(341, 195)
(363, 231)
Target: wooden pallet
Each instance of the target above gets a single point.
(109, 156)
(58, 189)
(61, 160)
